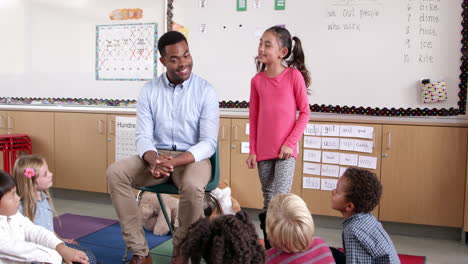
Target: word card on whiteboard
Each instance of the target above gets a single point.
(312, 155)
(328, 184)
(311, 168)
(311, 183)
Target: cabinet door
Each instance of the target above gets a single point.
(80, 151)
(4, 122)
(318, 201)
(423, 174)
(465, 225)
(40, 128)
(224, 145)
(3, 130)
(296, 187)
(245, 183)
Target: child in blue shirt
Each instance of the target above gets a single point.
(364, 239)
(34, 180)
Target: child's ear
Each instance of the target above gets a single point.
(284, 52)
(349, 207)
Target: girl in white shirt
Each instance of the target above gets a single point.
(21, 241)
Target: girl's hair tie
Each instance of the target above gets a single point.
(29, 172)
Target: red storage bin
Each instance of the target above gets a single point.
(10, 145)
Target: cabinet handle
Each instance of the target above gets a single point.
(235, 133)
(111, 127)
(9, 122)
(100, 127)
(389, 140)
(223, 132)
(2, 121)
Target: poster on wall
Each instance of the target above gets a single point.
(126, 52)
(125, 137)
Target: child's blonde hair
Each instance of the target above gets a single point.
(289, 224)
(26, 189)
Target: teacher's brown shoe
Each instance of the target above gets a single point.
(179, 260)
(142, 260)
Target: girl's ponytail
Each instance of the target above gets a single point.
(297, 61)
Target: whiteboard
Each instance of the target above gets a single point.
(49, 48)
(369, 53)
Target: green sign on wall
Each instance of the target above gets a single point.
(241, 5)
(280, 4)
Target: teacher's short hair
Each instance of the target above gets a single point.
(169, 38)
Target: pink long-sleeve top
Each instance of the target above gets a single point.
(272, 113)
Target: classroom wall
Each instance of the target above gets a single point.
(48, 47)
(359, 52)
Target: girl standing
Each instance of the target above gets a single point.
(34, 180)
(278, 90)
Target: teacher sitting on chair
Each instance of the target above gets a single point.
(176, 134)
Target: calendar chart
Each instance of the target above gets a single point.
(126, 52)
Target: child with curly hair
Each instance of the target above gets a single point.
(364, 239)
(228, 239)
(290, 228)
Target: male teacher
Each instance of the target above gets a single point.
(176, 134)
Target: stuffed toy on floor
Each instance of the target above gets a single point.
(228, 205)
(152, 216)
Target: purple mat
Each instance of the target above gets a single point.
(76, 226)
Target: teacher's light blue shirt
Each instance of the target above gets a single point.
(182, 117)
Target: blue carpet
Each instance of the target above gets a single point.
(106, 255)
(108, 245)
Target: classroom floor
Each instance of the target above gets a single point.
(438, 244)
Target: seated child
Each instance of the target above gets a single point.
(228, 239)
(21, 241)
(290, 229)
(364, 240)
(34, 180)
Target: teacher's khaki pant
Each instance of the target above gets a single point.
(126, 174)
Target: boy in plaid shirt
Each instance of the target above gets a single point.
(364, 240)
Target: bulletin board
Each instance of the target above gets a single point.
(126, 51)
(365, 56)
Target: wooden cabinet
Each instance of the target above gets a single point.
(39, 126)
(4, 122)
(224, 148)
(81, 151)
(465, 225)
(422, 168)
(423, 175)
(245, 182)
(318, 201)
(3, 130)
